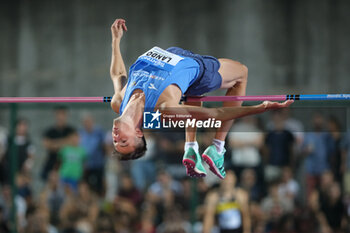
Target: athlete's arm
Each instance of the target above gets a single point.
(223, 113)
(117, 69)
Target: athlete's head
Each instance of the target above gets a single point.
(129, 141)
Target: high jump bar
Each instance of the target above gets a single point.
(101, 99)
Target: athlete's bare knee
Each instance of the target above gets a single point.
(235, 66)
(244, 68)
(244, 72)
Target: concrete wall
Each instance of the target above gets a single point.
(61, 48)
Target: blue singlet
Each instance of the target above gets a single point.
(155, 70)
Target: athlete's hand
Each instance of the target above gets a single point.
(268, 105)
(118, 28)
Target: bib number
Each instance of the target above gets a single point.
(161, 58)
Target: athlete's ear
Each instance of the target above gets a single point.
(139, 132)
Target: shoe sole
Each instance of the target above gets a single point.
(191, 169)
(212, 166)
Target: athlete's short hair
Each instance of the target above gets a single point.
(138, 153)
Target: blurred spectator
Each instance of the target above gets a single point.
(143, 169)
(92, 140)
(288, 187)
(87, 203)
(275, 206)
(334, 148)
(192, 199)
(286, 224)
(72, 158)
(330, 210)
(125, 217)
(315, 149)
(305, 220)
(164, 189)
(174, 222)
(79, 212)
(246, 139)
(70, 214)
(147, 217)
(112, 169)
(279, 148)
(104, 224)
(201, 190)
(164, 193)
(3, 146)
(23, 187)
(38, 221)
(345, 165)
(54, 138)
(4, 225)
(128, 191)
(257, 217)
(319, 195)
(24, 150)
(3, 141)
(171, 147)
(326, 181)
(53, 196)
(248, 182)
(229, 205)
(6, 203)
(291, 124)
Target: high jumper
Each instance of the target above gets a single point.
(158, 80)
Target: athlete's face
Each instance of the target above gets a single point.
(125, 137)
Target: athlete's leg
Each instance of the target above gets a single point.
(234, 79)
(191, 131)
(192, 159)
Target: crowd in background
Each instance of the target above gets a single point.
(280, 178)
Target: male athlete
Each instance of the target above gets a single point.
(157, 80)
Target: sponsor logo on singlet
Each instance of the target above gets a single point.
(151, 86)
(139, 73)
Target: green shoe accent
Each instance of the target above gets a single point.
(215, 161)
(193, 163)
